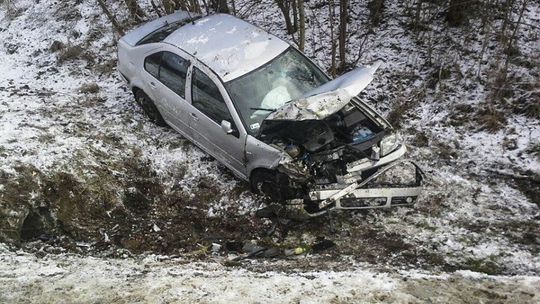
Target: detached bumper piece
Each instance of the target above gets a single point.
(386, 188)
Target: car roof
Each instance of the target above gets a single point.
(229, 46)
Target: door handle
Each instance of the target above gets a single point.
(152, 84)
(194, 116)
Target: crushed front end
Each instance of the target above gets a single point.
(350, 159)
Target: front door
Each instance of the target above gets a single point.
(208, 110)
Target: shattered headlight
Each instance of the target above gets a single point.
(390, 143)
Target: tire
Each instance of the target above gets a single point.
(267, 183)
(149, 108)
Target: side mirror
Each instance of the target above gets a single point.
(226, 127)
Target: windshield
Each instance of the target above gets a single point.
(260, 92)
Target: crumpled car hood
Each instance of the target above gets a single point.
(328, 98)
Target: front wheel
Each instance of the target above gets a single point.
(271, 184)
(150, 108)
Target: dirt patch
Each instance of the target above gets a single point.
(115, 206)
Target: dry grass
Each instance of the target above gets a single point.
(70, 53)
(106, 67)
(89, 88)
(57, 46)
(491, 120)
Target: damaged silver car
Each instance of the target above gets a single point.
(268, 113)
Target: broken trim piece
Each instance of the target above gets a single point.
(354, 197)
(367, 163)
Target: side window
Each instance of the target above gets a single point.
(151, 64)
(172, 72)
(207, 98)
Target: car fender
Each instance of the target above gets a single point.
(260, 155)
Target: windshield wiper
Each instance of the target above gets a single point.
(264, 109)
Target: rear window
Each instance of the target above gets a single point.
(151, 64)
(170, 69)
(173, 71)
(163, 32)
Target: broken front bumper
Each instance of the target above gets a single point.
(368, 194)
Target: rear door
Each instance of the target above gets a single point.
(210, 105)
(172, 75)
(168, 88)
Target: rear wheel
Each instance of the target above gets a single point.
(150, 108)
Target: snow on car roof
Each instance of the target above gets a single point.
(229, 46)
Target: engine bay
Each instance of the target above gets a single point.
(321, 149)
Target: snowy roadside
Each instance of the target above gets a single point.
(156, 279)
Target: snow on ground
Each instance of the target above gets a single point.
(26, 278)
(87, 160)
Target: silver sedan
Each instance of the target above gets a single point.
(268, 113)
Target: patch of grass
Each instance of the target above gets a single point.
(70, 53)
(491, 120)
(530, 187)
(487, 266)
(534, 149)
(512, 51)
(401, 107)
(89, 88)
(396, 114)
(106, 67)
(461, 114)
(439, 73)
(91, 101)
(420, 140)
(46, 138)
(57, 46)
(446, 151)
(528, 104)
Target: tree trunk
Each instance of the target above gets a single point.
(285, 8)
(134, 9)
(417, 15)
(111, 17)
(195, 7)
(507, 14)
(294, 4)
(456, 14)
(343, 16)
(168, 6)
(332, 14)
(220, 6)
(155, 7)
(302, 23)
(510, 46)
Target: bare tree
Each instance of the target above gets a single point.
(135, 10)
(186, 5)
(456, 14)
(375, 8)
(302, 25)
(156, 8)
(332, 15)
(111, 17)
(285, 8)
(168, 6)
(220, 6)
(510, 46)
(343, 17)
